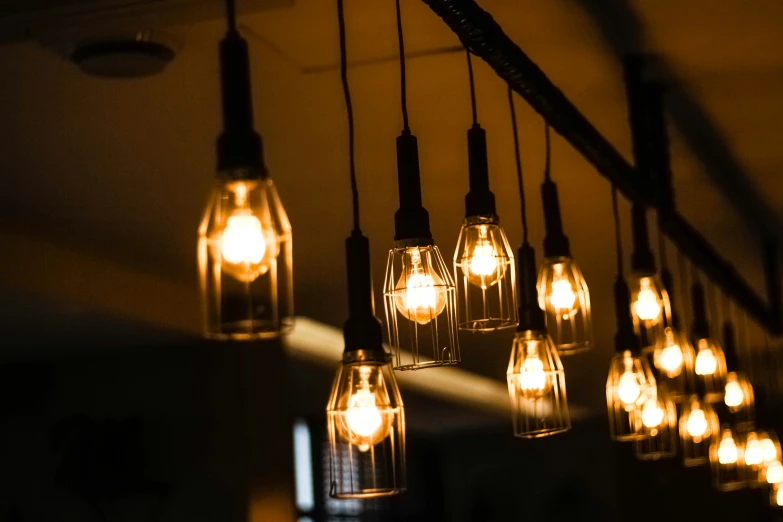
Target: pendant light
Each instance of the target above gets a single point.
(738, 392)
(630, 383)
(659, 424)
(365, 415)
(649, 302)
(710, 364)
(673, 355)
(698, 428)
(562, 289)
(419, 291)
(244, 251)
(727, 457)
(484, 265)
(536, 379)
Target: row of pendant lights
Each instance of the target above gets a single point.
(245, 265)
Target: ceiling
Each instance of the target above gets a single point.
(105, 180)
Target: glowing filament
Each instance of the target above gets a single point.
(697, 425)
(646, 306)
(727, 451)
(629, 388)
(652, 414)
(484, 263)
(769, 451)
(563, 296)
(753, 451)
(421, 295)
(364, 422)
(533, 381)
(774, 473)
(706, 361)
(734, 396)
(671, 357)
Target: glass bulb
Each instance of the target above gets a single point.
(697, 425)
(671, 358)
(728, 454)
(652, 413)
(769, 451)
(421, 293)
(734, 395)
(485, 264)
(364, 424)
(247, 247)
(563, 296)
(774, 472)
(646, 306)
(753, 452)
(533, 381)
(706, 361)
(779, 496)
(628, 388)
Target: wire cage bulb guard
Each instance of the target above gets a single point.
(727, 461)
(699, 426)
(649, 305)
(565, 299)
(738, 397)
(659, 422)
(762, 450)
(484, 266)
(245, 261)
(366, 427)
(710, 364)
(536, 386)
(674, 358)
(629, 386)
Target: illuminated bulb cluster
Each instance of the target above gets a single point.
(421, 293)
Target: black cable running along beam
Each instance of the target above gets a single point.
(484, 37)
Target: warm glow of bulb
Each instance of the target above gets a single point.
(563, 296)
(706, 362)
(779, 496)
(697, 426)
(769, 451)
(243, 240)
(734, 395)
(420, 294)
(652, 414)
(646, 306)
(532, 380)
(753, 451)
(628, 389)
(484, 263)
(364, 423)
(727, 451)
(670, 360)
(774, 473)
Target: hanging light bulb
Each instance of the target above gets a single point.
(769, 447)
(420, 294)
(646, 305)
(726, 457)
(776, 495)
(738, 392)
(365, 414)
(562, 289)
(773, 473)
(652, 414)
(698, 427)
(483, 259)
(244, 251)
(710, 365)
(754, 455)
(659, 420)
(670, 358)
(535, 376)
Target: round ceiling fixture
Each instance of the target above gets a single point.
(130, 56)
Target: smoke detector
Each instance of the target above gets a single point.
(123, 56)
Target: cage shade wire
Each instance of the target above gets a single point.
(231, 15)
(349, 111)
(548, 148)
(518, 164)
(403, 91)
(617, 235)
(474, 110)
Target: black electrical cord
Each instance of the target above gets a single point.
(519, 165)
(349, 110)
(548, 147)
(403, 93)
(662, 250)
(231, 15)
(474, 111)
(617, 233)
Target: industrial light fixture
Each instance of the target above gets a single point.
(738, 392)
(483, 261)
(727, 457)
(365, 415)
(710, 364)
(562, 289)
(673, 355)
(659, 421)
(649, 301)
(536, 379)
(630, 384)
(698, 428)
(244, 250)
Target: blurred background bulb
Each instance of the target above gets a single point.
(652, 413)
(533, 381)
(364, 423)
(697, 425)
(485, 267)
(563, 296)
(769, 450)
(753, 453)
(728, 453)
(779, 496)
(734, 396)
(774, 472)
(420, 292)
(706, 361)
(646, 306)
(670, 358)
(246, 247)
(628, 388)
